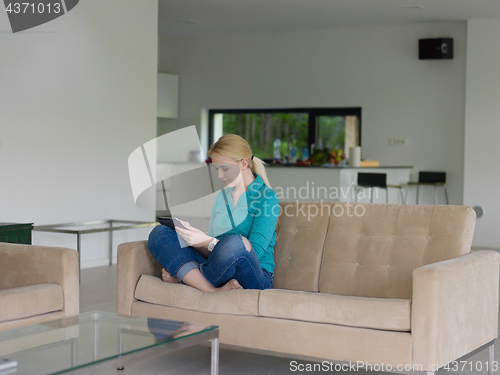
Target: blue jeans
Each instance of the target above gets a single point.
(229, 260)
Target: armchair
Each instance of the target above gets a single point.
(37, 283)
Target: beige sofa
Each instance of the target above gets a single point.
(377, 283)
(37, 284)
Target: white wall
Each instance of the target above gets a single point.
(375, 68)
(77, 96)
(482, 128)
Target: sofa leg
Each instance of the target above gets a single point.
(491, 359)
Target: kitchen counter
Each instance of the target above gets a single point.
(335, 166)
(322, 183)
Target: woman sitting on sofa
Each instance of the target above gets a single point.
(238, 251)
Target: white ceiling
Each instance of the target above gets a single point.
(216, 17)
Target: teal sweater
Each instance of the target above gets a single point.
(254, 216)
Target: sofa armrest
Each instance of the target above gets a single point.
(454, 307)
(24, 265)
(134, 260)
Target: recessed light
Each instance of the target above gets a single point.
(412, 6)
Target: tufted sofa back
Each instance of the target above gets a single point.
(367, 250)
(299, 248)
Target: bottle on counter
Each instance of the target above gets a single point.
(305, 153)
(292, 155)
(277, 150)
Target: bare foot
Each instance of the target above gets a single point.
(231, 284)
(167, 277)
(195, 279)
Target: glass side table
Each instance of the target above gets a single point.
(96, 226)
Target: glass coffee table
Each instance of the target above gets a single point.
(96, 341)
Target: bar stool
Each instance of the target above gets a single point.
(376, 180)
(431, 179)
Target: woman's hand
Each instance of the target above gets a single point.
(192, 235)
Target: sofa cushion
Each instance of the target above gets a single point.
(376, 313)
(299, 247)
(26, 301)
(373, 251)
(236, 302)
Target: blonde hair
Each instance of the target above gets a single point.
(232, 146)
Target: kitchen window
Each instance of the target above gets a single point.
(309, 128)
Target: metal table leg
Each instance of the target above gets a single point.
(110, 253)
(491, 359)
(215, 357)
(446, 194)
(78, 248)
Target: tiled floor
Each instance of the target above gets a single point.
(98, 292)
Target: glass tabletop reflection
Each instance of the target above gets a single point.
(63, 345)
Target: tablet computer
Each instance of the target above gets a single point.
(171, 222)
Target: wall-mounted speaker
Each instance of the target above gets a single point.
(438, 48)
